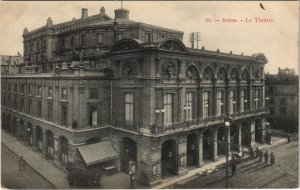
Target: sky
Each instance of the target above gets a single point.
(278, 40)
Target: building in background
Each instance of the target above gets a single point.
(11, 64)
(134, 90)
(283, 93)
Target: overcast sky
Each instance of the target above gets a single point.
(278, 40)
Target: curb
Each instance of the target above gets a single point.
(29, 165)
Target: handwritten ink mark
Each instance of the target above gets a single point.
(261, 6)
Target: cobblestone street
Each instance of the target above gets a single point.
(255, 174)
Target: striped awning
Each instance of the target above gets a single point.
(98, 152)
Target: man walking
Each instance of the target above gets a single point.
(260, 154)
(233, 167)
(256, 152)
(272, 158)
(266, 155)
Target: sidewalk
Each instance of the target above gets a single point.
(45, 168)
(56, 176)
(189, 176)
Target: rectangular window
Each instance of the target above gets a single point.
(72, 42)
(29, 89)
(257, 99)
(39, 109)
(44, 44)
(22, 88)
(129, 107)
(99, 38)
(39, 91)
(64, 93)
(245, 100)
(168, 108)
(147, 37)
(15, 87)
(22, 104)
(50, 91)
(82, 40)
(9, 87)
(15, 101)
(232, 102)
(29, 106)
(50, 111)
(242, 99)
(220, 102)
(206, 104)
(93, 116)
(93, 93)
(189, 106)
(64, 112)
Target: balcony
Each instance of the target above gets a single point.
(203, 122)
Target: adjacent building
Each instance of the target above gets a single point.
(282, 91)
(105, 91)
(11, 64)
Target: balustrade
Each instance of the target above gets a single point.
(202, 122)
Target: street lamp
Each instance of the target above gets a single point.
(227, 122)
(131, 174)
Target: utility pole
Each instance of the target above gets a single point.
(194, 37)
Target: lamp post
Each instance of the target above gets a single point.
(131, 174)
(227, 122)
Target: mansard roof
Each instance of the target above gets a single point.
(175, 45)
(170, 44)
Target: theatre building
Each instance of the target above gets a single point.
(105, 91)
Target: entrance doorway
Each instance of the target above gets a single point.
(258, 131)
(168, 158)
(246, 134)
(128, 152)
(192, 150)
(208, 145)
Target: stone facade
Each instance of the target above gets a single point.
(160, 103)
(282, 91)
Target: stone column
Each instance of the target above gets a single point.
(252, 134)
(215, 145)
(34, 137)
(263, 130)
(240, 137)
(45, 144)
(200, 150)
(182, 157)
(55, 151)
(59, 150)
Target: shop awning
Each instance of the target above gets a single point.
(98, 152)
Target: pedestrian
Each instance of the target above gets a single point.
(233, 167)
(260, 155)
(21, 165)
(256, 152)
(251, 152)
(288, 138)
(266, 155)
(272, 158)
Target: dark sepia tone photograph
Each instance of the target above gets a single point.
(149, 94)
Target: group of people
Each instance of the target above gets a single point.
(259, 154)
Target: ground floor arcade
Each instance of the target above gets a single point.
(175, 154)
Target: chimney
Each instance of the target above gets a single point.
(121, 14)
(102, 11)
(84, 13)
